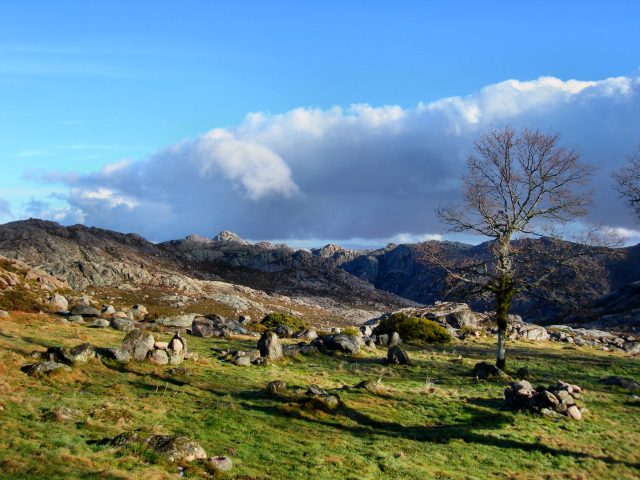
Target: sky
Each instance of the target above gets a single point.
(300, 122)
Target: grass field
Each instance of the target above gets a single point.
(428, 420)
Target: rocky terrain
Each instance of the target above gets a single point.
(356, 285)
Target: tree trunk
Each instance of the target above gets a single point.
(501, 363)
(504, 293)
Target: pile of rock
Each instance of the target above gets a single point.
(594, 338)
(141, 345)
(561, 398)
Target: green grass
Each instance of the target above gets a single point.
(428, 420)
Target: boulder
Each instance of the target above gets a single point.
(306, 334)
(85, 311)
(523, 373)
(119, 354)
(485, 370)
(283, 331)
(276, 387)
(81, 353)
(244, 319)
(119, 315)
(632, 348)
(394, 339)
(138, 344)
(532, 332)
(76, 319)
(4, 313)
(344, 343)
(180, 321)
(175, 448)
(59, 302)
(107, 310)
(622, 382)
(244, 361)
(368, 385)
(99, 323)
(159, 357)
(461, 319)
(46, 367)
(204, 327)
(221, 462)
(270, 346)
(122, 324)
(397, 355)
(178, 338)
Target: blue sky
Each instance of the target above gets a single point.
(140, 85)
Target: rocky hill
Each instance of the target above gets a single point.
(92, 257)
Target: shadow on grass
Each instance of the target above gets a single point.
(475, 411)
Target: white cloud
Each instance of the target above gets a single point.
(362, 172)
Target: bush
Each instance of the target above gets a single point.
(275, 319)
(20, 299)
(413, 329)
(256, 327)
(351, 331)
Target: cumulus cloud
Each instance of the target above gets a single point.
(343, 173)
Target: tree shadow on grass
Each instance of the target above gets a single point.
(478, 417)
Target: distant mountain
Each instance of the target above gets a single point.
(93, 256)
(389, 277)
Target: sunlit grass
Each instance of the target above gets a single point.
(428, 420)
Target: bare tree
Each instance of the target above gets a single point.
(627, 182)
(521, 191)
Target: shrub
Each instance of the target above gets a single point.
(413, 329)
(276, 319)
(350, 331)
(256, 327)
(20, 299)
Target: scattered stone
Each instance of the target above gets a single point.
(276, 387)
(394, 339)
(45, 367)
(4, 313)
(243, 361)
(397, 355)
(119, 354)
(107, 310)
(59, 302)
(574, 412)
(175, 448)
(368, 385)
(261, 361)
(221, 462)
(99, 323)
(283, 331)
(138, 344)
(327, 400)
(119, 315)
(76, 319)
(306, 334)
(161, 345)
(486, 370)
(270, 346)
(205, 327)
(159, 357)
(244, 319)
(344, 343)
(632, 348)
(85, 311)
(622, 382)
(122, 324)
(464, 318)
